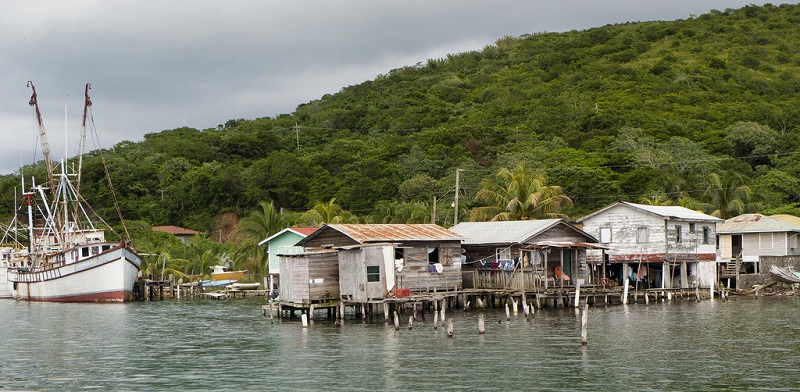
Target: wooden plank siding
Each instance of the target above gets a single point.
(309, 277)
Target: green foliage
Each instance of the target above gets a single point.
(633, 111)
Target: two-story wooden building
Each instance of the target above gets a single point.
(664, 246)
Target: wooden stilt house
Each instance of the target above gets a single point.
(381, 260)
(524, 255)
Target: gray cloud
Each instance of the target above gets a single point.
(163, 65)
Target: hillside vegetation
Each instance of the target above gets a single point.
(653, 111)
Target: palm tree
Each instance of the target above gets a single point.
(728, 196)
(254, 228)
(519, 194)
(326, 212)
(400, 212)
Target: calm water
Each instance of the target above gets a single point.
(216, 345)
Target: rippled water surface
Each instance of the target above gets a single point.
(216, 345)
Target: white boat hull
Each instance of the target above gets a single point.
(5, 289)
(107, 277)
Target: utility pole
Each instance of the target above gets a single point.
(455, 201)
(433, 212)
(297, 134)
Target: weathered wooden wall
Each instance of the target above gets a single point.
(309, 277)
(416, 273)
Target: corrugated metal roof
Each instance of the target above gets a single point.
(676, 212)
(757, 223)
(389, 232)
(502, 232)
(671, 212)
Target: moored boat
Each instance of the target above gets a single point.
(784, 274)
(68, 258)
(220, 272)
(243, 286)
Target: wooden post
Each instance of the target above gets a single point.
(625, 284)
(341, 310)
(514, 305)
(385, 312)
(396, 321)
(311, 312)
(577, 294)
(481, 324)
(508, 314)
(584, 328)
(435, 320)
(450, 329)
(304, 318)
(410, 322)
(646, 299)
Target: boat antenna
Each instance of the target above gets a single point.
(42, 137)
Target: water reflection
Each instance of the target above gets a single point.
(195, 344)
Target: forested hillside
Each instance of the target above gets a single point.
(656, 111)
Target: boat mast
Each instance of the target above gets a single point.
(42, 137)
(87, 103)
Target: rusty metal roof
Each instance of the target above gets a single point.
(364, 233)
(757, 223)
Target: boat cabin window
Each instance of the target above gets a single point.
(105, 248)
(85, 251)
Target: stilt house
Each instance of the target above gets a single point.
(384, 260)
(283, 243)
(657, 246)
(750, 244)
(524, 255)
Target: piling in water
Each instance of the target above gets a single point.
(481, 324)
(584, 322)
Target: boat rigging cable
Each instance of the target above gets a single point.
(87, 108)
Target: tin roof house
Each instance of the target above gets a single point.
(665, 246)
(523, 255)
(377, 261)
(750, 243)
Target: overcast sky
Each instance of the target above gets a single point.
(157, 65)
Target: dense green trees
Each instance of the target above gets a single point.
(684, 112)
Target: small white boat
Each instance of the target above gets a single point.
(784, 274)
(243, 286)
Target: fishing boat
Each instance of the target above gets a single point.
(784, 274)
(68, 258)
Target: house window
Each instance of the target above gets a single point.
(678, 233)
(373, 273)
(433, 255)
(642, 235)
(691, 227)
(605, 235)
(706, 235)
(503, 254)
